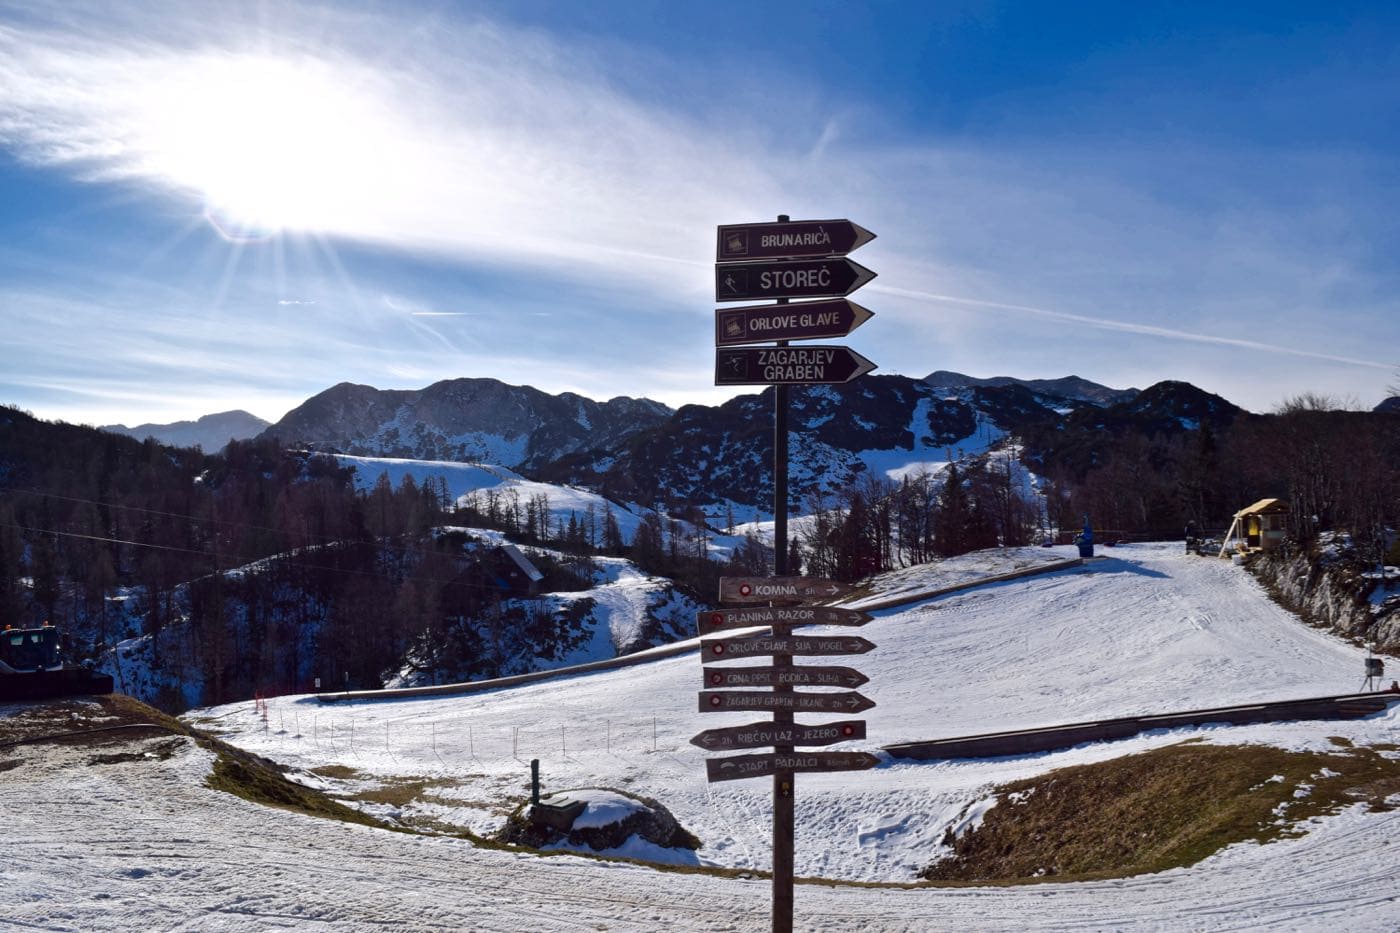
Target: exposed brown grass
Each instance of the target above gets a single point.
(1159, 810)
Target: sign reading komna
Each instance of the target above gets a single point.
(764, 589)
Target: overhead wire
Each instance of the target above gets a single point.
(282, 556)
(307, 540)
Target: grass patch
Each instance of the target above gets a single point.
(411, 798)
(1162, 809)
(258, 780)
(244, 774)
(336, 772)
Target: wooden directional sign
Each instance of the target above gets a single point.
(796, 278)
(791, 366)
(789, 240)
(724, 701)
(715, 649)
(791, 676)
(809, 320)
(717, 620)
(766, 589)
(751, 766)
(765, 734)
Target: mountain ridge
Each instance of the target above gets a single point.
(1071, 388)
(209, 432)
(463, 419)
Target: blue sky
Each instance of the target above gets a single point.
(210, 206)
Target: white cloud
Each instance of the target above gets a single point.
(526, 154)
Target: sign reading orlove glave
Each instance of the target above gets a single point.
(808, 320)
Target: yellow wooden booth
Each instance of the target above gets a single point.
(1260, 527)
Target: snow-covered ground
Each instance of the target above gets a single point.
(1146, 629)
(467, 480)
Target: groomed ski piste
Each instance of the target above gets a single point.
(144, 845)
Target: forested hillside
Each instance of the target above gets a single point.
(263, 567)
(266, 567)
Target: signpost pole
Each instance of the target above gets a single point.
(784, 260)
(784, 810)
(780, 465)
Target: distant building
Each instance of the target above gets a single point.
(512, 571)
(1260, 527)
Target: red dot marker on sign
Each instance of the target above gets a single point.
(717, 649)
(715, 701)
(745, 590)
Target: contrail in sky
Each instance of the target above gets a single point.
(1132, 328)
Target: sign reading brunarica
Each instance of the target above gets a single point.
(791, 240)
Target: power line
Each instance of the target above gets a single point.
(272, 557)
(306, 539)
(74, 534)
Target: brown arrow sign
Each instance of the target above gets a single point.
(789, 240)
(763, 734)
(810, 320)
(765, 589)
(792, 366)
(718, 620)
(715, 649)
(791, 676)
(722, 701)
(751, 766)
(795, 278)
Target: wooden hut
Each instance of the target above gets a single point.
(512, 571)
(1260, 527)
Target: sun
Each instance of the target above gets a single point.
(272, 144)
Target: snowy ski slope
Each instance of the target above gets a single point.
(1146, 629)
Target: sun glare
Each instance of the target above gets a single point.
(273, 145)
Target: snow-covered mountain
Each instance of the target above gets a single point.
(885, 427)
(880, 425)
(1072, 388)
(210, 432)
(468, 420)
